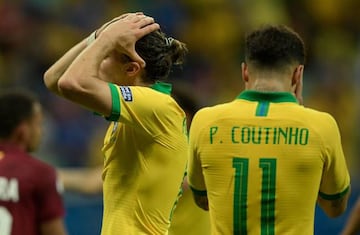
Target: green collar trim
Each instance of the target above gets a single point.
(275, 97)
(162, 87)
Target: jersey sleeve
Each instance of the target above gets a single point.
(335, 179)
(49, 198)
(195, 175)
(139, 107)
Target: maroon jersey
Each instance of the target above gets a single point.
(28, 193)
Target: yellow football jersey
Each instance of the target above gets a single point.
(262, 160)
(188, 218)
(145, 150)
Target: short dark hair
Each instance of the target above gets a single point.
(274, 46)
(160, 53)
(15, 107)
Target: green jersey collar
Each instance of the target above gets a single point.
(162, 87)
(275, 97)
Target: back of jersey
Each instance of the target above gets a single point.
(28, 193)
(264, 159)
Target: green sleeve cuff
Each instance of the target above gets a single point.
(334, 196)
(115, 109)
(198, 192)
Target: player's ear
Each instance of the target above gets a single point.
(132, 69)
(21, 132)
(297, 83)
(297, 75)
(244, 72)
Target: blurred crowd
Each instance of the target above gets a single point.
(35, 33)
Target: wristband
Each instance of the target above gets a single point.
(91, 38)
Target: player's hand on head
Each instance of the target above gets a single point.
(126, 30)
(99, 30)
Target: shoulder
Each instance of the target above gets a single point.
(140, 94)
(41, 168)
(320, 118)
(41, 164)
(323, 126)
(206, 116)
(211, 113)
(37, 173)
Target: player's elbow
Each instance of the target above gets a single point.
(47, 78)
(69, 87)
(335, 212)
(334, 208)
(51, 80)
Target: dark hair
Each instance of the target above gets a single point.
(160, 53)
(274, 46)
(15, 107)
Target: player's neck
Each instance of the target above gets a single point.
(15, 143)
(140, 82)
(268, 85)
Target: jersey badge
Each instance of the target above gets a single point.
(126, 93)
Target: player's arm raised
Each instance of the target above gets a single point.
(79, 79)
(54, 73)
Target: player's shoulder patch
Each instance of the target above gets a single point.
(126, 93)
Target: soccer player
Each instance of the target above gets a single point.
(187, 217)
(30, 202)
(260, 163)
(145, 148)
(352, 225)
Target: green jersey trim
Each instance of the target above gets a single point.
(199, 192)
(162, 87)
(115, 110)
(275, 97)
(334, 196)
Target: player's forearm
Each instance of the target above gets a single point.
(201, 201)
(54, 73)
(82, 75)
(81, 180)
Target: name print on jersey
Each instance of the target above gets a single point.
(9, 189)
(262, 135)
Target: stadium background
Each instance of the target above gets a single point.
(34, 33)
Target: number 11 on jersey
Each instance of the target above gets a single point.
(268, 167)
